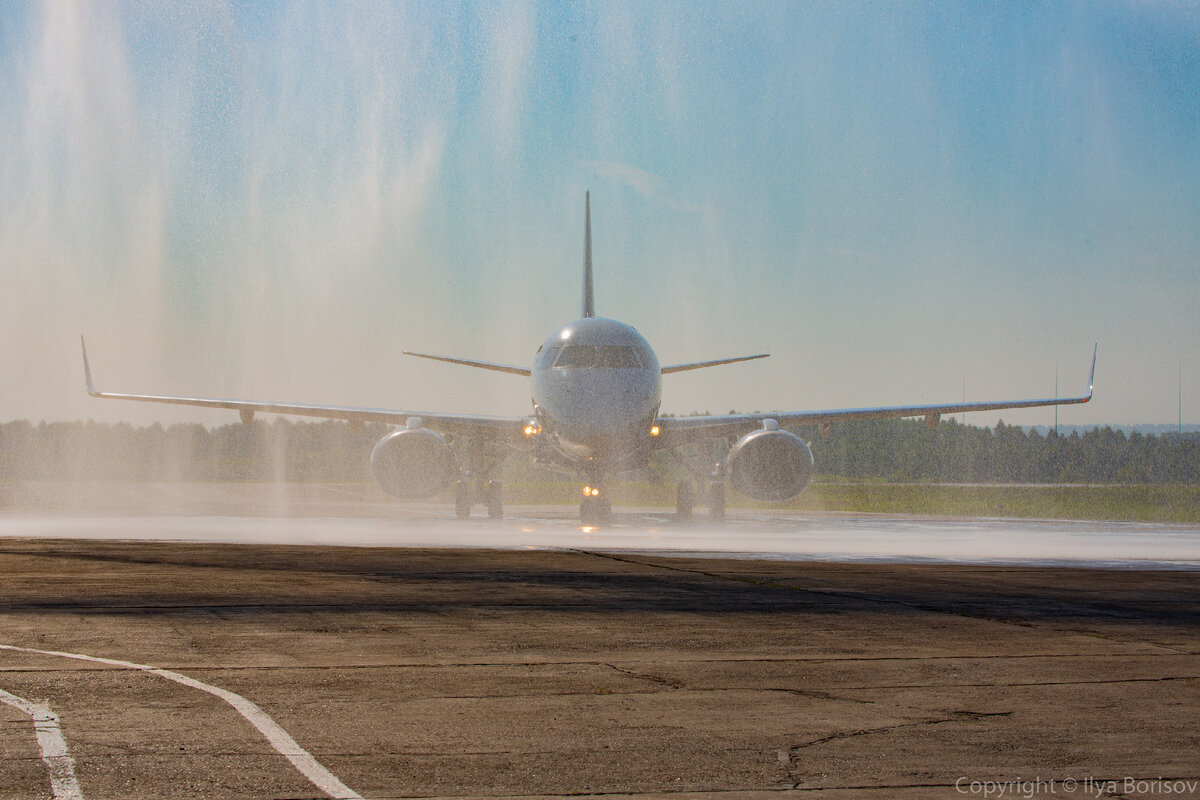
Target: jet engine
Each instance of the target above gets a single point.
(770, 465)
(414, 462)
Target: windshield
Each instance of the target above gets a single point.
(581, 355)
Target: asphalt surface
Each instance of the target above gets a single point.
(430, 673)
(333, 514)
(577, 662)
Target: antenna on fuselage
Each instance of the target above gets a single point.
(589, 308)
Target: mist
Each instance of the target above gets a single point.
(271, 203)
(1021, 543)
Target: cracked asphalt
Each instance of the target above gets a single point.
(477, 673)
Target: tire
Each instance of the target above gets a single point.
(495, 499)
(462, 499)
(595, 510)
(716, 501)
(685, 501)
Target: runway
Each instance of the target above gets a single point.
(182, 652)
(883, 539)
(175, 670)
(361, 516)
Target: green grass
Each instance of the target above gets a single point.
(1140, 503)
(1146, 503)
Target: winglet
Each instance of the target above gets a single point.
(1092, 375)
(589, 308)
(87, 370)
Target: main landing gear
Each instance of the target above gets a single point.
(476, 486)
(493, 498)
(686, 499)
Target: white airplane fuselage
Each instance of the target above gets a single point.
(597, 387)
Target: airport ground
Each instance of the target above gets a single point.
(1166, 503)
(408, 672)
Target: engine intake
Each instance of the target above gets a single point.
(412, 463)
(770, 465)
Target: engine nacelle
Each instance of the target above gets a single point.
(414, 462)
(770, 465)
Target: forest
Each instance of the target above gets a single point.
(338, 452)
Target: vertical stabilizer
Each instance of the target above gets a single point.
(589, 308)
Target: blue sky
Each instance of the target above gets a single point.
(902, 202)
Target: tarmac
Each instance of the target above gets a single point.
(144, 669)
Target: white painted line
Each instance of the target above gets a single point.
(283, 743)
(54, 746)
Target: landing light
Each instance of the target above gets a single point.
(654, 430)
(533, 429)
(591, 491)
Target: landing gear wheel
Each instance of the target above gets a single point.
(595, 510)
(462, 499)
(495, 499)
(685, 500)
(716, 501)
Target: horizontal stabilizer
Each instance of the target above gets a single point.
(703, 364)
(468, 363)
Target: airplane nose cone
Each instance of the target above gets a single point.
(600, 424)
(597, 386)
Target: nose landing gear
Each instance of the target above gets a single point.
(595, 508)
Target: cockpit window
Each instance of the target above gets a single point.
(586, 355)
(576, 355)
(614, 356)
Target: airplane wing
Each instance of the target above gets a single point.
(680, 431)
(502, 430)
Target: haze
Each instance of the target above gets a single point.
(903, 203)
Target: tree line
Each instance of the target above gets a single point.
(281, 450)
(338, 452)
(909, 450)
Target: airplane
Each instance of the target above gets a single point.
(596, 391)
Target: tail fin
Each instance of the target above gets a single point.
(589, 308)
